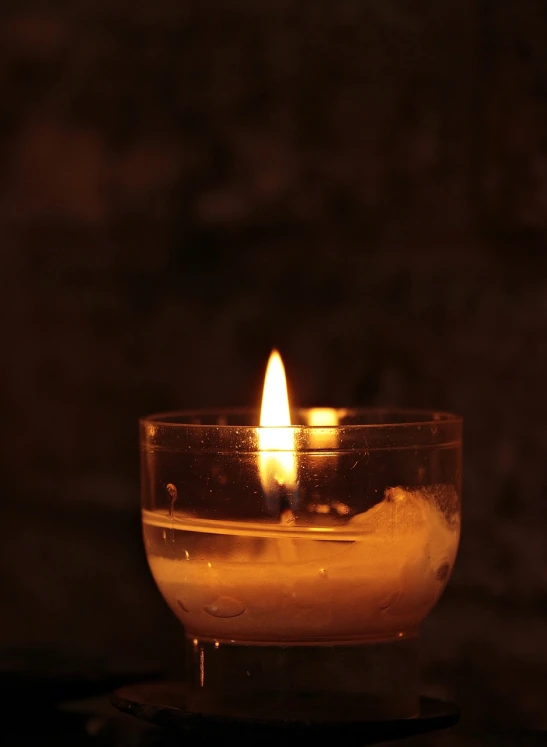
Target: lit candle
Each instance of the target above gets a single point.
(301, 557)
(368, 576)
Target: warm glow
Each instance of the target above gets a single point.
(326, 417)
(323, 416)
(277, 461)
(275, 400)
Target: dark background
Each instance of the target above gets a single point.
(185, 183)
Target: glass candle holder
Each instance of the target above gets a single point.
(302, 602)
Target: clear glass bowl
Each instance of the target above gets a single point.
(297, 596)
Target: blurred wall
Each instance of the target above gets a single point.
(184, 185)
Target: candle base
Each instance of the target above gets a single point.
(376, 681)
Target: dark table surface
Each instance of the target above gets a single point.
(110, 729)
(93, 722)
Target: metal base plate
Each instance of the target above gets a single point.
(163, 704)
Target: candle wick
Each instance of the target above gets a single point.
(286, 515)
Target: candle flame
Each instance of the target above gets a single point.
(327, 418)
(277, 461)
(322, 416)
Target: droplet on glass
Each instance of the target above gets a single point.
(442, 572)
(225, 607)
(391, 599)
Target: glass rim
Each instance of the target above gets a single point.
(411, 418)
